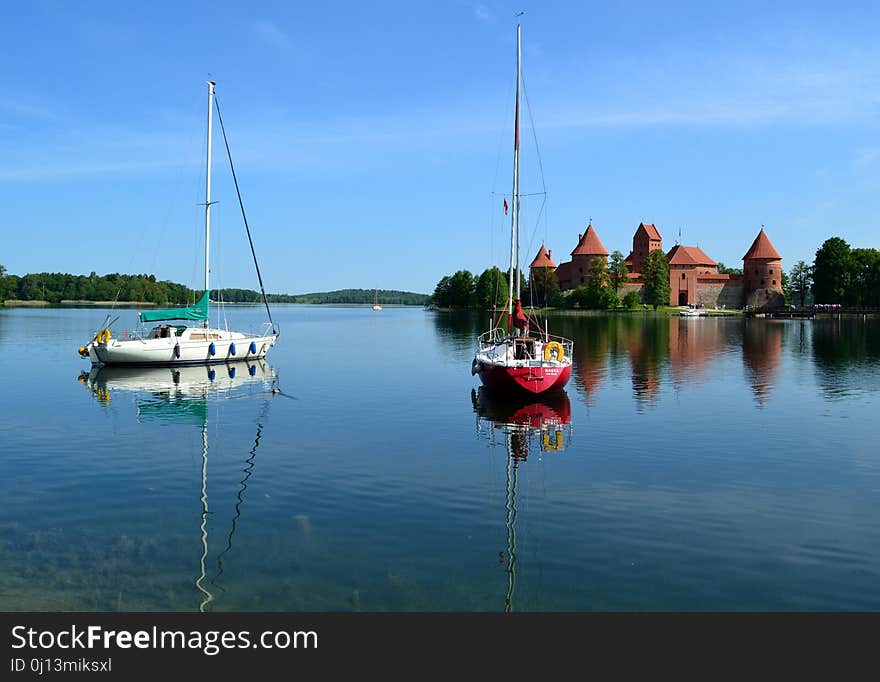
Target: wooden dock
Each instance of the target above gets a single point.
(810, 312)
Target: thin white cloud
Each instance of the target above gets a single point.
(482, 13)
(272, 36)
(22, 108)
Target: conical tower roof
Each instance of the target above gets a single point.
(590, 244)
(762, 249)
(543, 259)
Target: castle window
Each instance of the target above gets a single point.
(774, 281)
(762, 282)
(683, 276)
(771, 272)
(756, 271)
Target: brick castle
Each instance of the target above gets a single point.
(693, 276)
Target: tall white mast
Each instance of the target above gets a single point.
(516, 156)
(211, 85)
(514, 218)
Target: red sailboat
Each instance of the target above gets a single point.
(517, 354)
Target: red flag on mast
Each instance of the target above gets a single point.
(505, 205)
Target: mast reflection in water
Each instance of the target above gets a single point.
(184, 395)
(522, 427)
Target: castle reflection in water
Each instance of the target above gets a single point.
(677, 352)
(658, 353)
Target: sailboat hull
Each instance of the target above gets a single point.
(164, 352)
(524, 380)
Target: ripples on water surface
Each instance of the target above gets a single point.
(691, 464)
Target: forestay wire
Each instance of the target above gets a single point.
(243, 215)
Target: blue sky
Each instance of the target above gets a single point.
(369, 137)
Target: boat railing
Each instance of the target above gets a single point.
(493, 337)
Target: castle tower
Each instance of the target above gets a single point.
(762, 265)
(543, 259)
(646, 239)
(572, 273)
(589, 247)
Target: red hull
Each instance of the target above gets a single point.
(530, 380)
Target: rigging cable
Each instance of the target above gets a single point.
(541, 212)
(243, 215)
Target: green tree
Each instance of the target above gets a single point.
(598, 293)
(580, 297)
(631, 300)
(801, 276)
(544, 286)
(618, 271)
(491, 289)
(461, 290)
(832, 271)
(523, 285)
(724, 270)
(656, 272)
(441, 295)
(865, 277)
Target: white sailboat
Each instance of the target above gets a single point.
(186, 344)
(376, 305)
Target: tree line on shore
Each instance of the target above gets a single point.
(839, 274)
(55, 287)
(600, 291)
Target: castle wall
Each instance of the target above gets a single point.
(709, 292)
(729, 293)
(638, 287)
(764, 298)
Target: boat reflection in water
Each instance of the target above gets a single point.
(182, 395)
(542, 424)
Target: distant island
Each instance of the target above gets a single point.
(55, 288)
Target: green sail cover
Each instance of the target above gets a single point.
(198, 311)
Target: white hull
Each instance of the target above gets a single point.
(228, 347)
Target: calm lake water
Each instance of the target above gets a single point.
(692, 464)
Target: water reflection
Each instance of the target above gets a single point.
(458, 331)
(762, 356)
(590, 358)
(183, 395)
(523, 426)
(846, 355)
(654, 352)
(542, 423)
